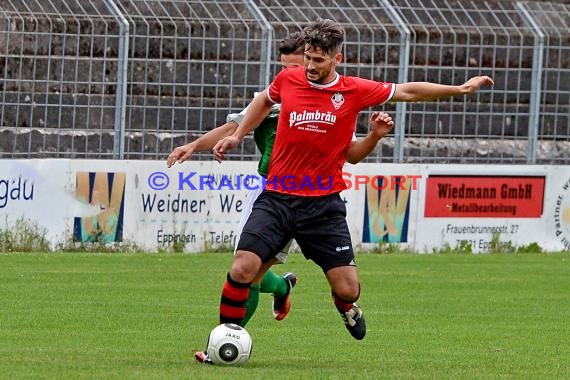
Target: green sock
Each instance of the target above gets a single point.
(272, 283)
(251, 304)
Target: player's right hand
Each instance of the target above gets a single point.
(223, 146)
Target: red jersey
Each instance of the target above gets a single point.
(315, 129)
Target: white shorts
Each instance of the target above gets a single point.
(252, 195)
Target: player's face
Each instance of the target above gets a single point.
(291, 60)
(320, 67)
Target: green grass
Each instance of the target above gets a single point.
(141, 316)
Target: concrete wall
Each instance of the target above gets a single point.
(184, 75)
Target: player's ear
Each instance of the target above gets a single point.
(338, 58)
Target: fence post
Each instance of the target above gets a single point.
(268, 38)
(121, 92)
(400, 125)
(536, 84)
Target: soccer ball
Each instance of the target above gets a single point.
(229, 344)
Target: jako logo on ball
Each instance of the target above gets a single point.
(229, 344)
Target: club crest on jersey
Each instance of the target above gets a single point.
(337, 100)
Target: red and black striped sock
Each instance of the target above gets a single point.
(341, 305)
(233, 301)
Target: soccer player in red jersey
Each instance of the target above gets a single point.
(291, 50)
(319, 109)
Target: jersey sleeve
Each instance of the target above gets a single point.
(374, 93)
(238, 117)
(274, 91)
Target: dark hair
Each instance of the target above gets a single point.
(294, 43)
(326, 35)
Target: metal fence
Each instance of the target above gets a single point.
(136, 78)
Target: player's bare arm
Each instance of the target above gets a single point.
(423, 91)
(201, 144)
(381, 124)
(256, 112)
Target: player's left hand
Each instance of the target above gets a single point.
(381, 124)
(476, 83)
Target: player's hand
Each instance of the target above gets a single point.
(381, 124)
(476, 83)
(223, 146)
(180, 154)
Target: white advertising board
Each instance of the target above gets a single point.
(382, 203)
(484, 207)
(197, 205)
(39, 191)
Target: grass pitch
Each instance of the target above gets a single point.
(142, 316)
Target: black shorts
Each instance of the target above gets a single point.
(318, 224)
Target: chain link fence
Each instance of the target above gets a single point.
(133, 79)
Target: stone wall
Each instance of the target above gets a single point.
(59, 88)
